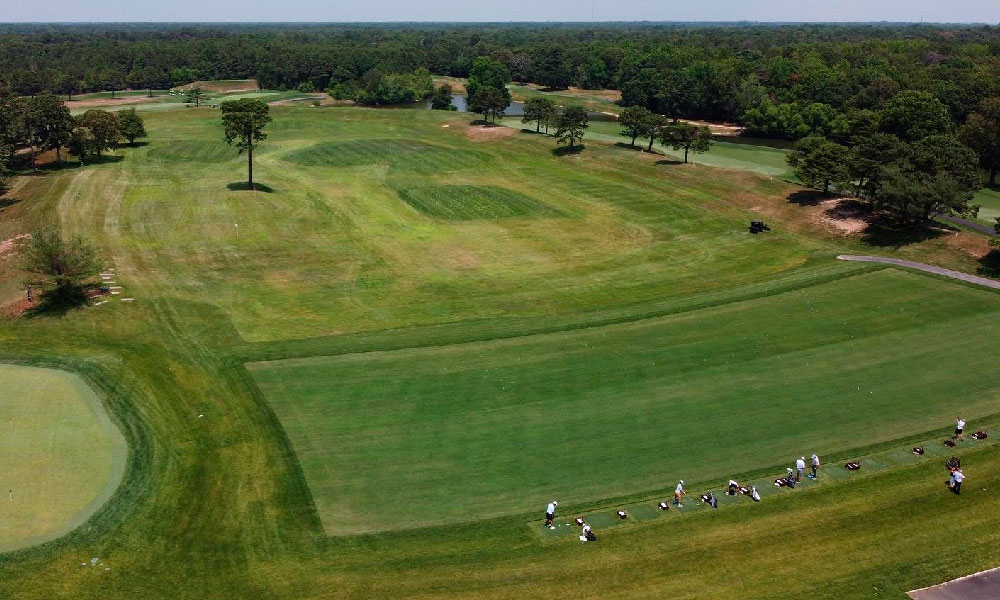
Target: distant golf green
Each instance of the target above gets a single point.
(467, 432)
(61, 456)
(988, 200)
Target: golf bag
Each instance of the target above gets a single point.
(979, 435)
(709, 499)
(853, 466)
(918, 451)
(754, 494)
(949, 443)
(953, 463)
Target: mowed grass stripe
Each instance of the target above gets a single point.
(462, 433)
(407, 155)
(470, 202)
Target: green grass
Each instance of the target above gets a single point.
(460, 433)
(730, 155)
(407, 155)
(461, 203)
(62, 456)
(407, 330)
(988, 200)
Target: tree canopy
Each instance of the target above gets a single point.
(243, 122)
(572, 125)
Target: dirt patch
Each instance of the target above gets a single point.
(488, 133)
(844, 215)
(311, 100)
(457, 84)
(16, 309)
(718, 128)
(8, 245)
(224, 87)
(99, 102)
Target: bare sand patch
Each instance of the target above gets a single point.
(99, 102)
(488, 133)
(225, 86)
(845, 215)
(8, 244)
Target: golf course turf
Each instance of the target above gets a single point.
(62, 457)
(357, 382)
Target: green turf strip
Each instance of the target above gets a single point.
(407, 155)
(935, 452)
(466, 432)
(469, 202)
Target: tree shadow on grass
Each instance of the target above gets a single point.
(243, 186)
(485, 123)
(989, 264)
(57, 303)
(670, 161)
(808, 197)
(886, 232)
(104, 159)
(567, 151)
(5, 202)
(136, 145)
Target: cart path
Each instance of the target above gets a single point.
(979, 586)
(990, 283)
(981, 228)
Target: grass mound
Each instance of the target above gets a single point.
(204, 151)
(406, 155)
(468, 202)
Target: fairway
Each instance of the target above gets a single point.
(465, 432)
(383, 219)
(61, 457)
(365, 378)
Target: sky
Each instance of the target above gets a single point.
(951, 11)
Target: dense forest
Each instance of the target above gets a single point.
(780, 78)
(900, 114)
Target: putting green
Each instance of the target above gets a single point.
(61, 457)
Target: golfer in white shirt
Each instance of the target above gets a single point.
(550, 513)
(800, 467)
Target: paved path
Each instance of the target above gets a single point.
(980, 586)
(981, 228)
(990, 283)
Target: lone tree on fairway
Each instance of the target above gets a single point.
(635, 122)
(538, 110)
(572, 125)
(244, 121)
(820, 163)
(195, 95)
(131, 125)
(59, 265)
(687, 137)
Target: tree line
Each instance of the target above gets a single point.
(785, 81)
(29, 125)
(908, 159)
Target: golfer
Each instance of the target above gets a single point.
(815, 466)
(955, 485)
(800, 467)
(550, 513)
(959, 426)
(679, 493)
